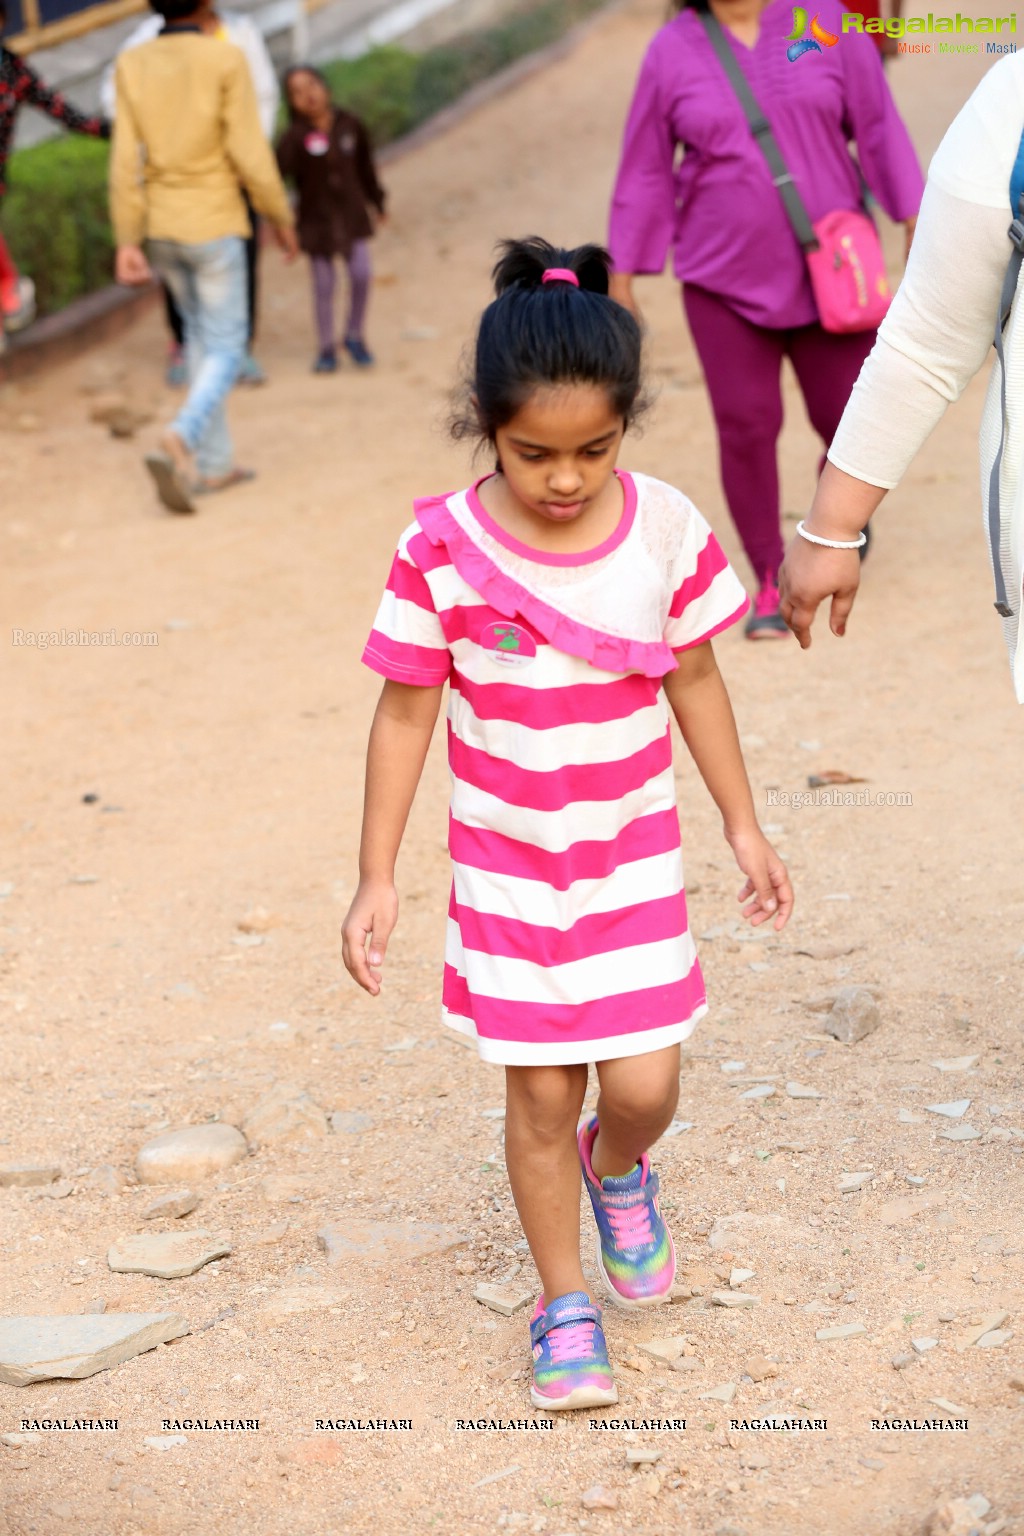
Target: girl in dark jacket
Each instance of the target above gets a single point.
(326, 152)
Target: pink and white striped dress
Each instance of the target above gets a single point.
(567, 931)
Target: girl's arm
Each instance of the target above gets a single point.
(701, 705)
(30, 89)
(399, 738)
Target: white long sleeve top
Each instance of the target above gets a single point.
(939, 329)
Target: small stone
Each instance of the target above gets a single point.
(195, 1152)
(900, 1362)
(871, 1462)
(723, 1394)
(350, 1122)
(958, 1517)
(666, 1349)
(599, 1497)
(688, 1363)
(386, 1241)
(948, 1407)
(291, 1301)
(801, 1091)
(732, 1066)
(841, 1331)
(176, 1203)
(164, 1442)
(166, 1255)
(58, 1191)
(18, 1437)
(759, 1091)
(273, 1234)
(952, 1111)
(105, 1180)
(760, 1368)
(907, 1117)
(987, 1325)
(27, 1175)
(756, 1461)
(923, 1345)
(960, 1133)
(955, 1063)
(906, 1206)
(740, 1276)
(734, 1299)
(286, 1114)
(42, 1348)
(94, 1308)
(502, 1298)
(995, 1338)
(850, 1182)
(642, 1456)
(854, 1015)
(258, 920)
(1017, 1383)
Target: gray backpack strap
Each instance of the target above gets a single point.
(1006, 298)
(766, 140)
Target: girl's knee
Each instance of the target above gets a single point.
(642, 1103)
(546, 1099)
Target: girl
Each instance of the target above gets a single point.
(19, 84)
(568, 604)
(326, 152)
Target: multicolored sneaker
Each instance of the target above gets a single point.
(765, 621)
(570, 1356)
(635, 1252)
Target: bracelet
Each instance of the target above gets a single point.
(812, 538)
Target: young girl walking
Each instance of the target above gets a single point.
(326, 153)
(569, 606)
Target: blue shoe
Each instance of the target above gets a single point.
(251, 373)
(635, 1252)
(327, 362)
(358, 352)
(176, 372)
(570, 1356)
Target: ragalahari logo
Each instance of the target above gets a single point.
(799, 44)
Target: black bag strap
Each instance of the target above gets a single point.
(765, 139)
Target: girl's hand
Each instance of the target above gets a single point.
(767, 891)
(366, 931)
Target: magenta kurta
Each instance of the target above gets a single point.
(719, 208)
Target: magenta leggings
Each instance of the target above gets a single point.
(358, 263)
(743, 369)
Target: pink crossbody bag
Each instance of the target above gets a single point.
(843, 252)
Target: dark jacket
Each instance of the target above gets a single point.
(336, 183)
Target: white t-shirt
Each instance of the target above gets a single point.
(939, 330)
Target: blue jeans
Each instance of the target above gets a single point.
(209, 285)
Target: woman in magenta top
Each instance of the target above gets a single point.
(746, 292)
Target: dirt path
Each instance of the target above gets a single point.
(227, 761)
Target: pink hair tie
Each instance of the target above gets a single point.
(560, 275)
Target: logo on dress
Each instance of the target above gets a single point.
(316, 144)
(509, 644)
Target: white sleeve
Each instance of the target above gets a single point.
(246, 35)
(148, 28)
(939, 329)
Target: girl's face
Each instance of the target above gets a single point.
(558, 452)
(307, 95)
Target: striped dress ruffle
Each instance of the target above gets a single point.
(567, 931)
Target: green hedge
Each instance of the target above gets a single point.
(55, 213)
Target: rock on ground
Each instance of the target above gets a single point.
(166, 1255)
(175, 1204)
(285, 1114)
(853, 1016)
(25, 1175)
(195, 1152)
(41, 1348)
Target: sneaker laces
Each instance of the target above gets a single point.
(571, 1341)
(631, 1224)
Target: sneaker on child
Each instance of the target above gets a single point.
(635, 1252)
(570, 1356)
(765, 621)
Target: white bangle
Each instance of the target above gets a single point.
(812, 538)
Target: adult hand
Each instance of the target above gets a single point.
(810, 574)
(131, 267)
(620, 288)
(287, 240)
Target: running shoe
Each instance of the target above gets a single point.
(176, 372)
(327, 362)
(251, 373)
(570, 1356)
(765, 621)
(635, 1252)
(358, 351)
(19, 305)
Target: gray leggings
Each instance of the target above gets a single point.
(359, 292)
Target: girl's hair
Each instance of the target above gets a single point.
(677, 6)
(537, 333)
(302, 69)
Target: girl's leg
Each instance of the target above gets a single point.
(359, 289)
(826, 367)
(742, 367)
(323, 301)
(542, 1110)
(638, 1098)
